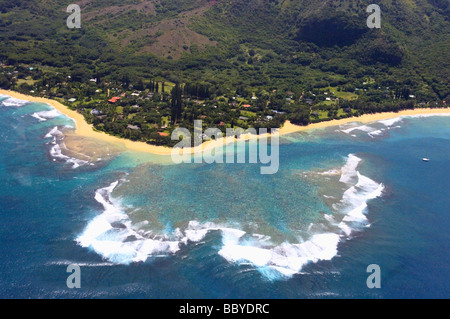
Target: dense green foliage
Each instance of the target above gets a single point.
(303, 60)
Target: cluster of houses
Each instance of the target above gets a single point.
(308, 98)
(116, 99)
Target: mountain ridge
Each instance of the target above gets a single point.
(199, 34)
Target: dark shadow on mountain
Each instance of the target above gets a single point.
(379, 48)
(332, 28)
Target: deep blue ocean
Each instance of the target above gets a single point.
(344, 198)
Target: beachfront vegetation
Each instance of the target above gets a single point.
(243, 63)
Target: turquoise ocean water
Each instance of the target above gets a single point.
(344, 198)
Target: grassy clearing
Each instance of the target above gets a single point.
(249, 114)
(28, 81)
(342, 95)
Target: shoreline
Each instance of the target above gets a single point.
(84, 129)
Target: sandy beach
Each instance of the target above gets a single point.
(86, 130)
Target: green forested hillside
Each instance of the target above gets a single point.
(306, 40)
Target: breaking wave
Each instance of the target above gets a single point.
(289, 259)
(427, 115)
(13, 102)
(373, 130)
(381, 127)
(57, 145)
(112, 235)
(391, 122)
(46, 115)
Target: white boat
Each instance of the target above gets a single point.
(426, 159)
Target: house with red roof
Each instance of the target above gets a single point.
(114, 99)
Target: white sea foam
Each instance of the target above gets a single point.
(376, 133)
(288, 259)
(13, 102)
(56, 150)
(348, 171)
(112, 235)
(391, 122)
(354, 199)
(371, 131)
(56, 153)
(46, 115)
(53, 133)
(353, 204)
(427, 115)
(364, 128)
(196, 232)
